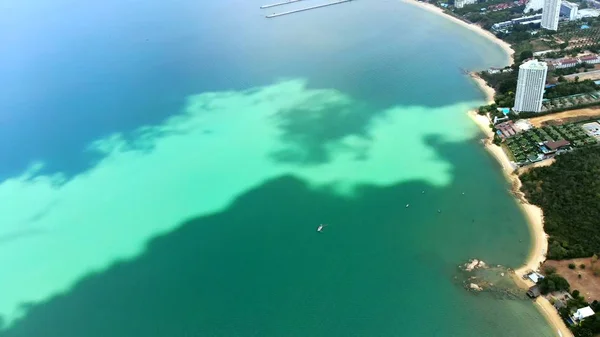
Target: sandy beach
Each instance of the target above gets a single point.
(487, 90)
(473, 27)
(534, 214)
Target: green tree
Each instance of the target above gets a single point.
(568, 192)
(553, 282)
(525, 54)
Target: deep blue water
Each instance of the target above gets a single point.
(111, 66)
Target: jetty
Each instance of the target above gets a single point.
(306, 9)
(280, 4)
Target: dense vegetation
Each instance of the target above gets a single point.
(571, 88)
(505, 85)
(569, 193)
(553, 282)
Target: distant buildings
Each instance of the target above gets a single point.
(463, 3)
(569, 10)
(572, 62)
(530, 86)
(564, 63)
(592, 129)
(588, 13)
(551, 14)
(525, 20)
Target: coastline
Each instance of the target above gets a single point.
(534, 214)
(472, 27)
(535, 220)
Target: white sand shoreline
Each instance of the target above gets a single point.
(472, 27)
(534, 214)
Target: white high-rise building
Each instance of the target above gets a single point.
(463, 3)
(569, 10)
(551, 14)
(530, 86)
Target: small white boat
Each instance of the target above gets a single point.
(407, 205)
(320, 228)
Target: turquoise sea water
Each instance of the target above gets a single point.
(164, 166)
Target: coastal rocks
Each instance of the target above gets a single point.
(474, 264)
(490, 280)
(475, 287)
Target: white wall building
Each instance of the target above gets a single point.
(530, 86)
(588, 13)
(583, 313)
(463, 3)
(569, 10)
(551, 14)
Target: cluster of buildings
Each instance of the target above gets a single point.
(569, 10)
(509, 128)
(572, 62)
(531, 81)
(534, 292)
(463, 3)
(506, 5)
(551, 14)
(554, 10)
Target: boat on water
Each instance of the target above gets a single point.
(320, 228)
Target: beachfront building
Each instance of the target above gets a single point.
(551, 14)
(572, 62)
(590, 59)
(569, 10)
(582, 313)
(524, 20)
(534, 292)
(530, 86)
(463, 3)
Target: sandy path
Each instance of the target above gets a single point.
(559, 117)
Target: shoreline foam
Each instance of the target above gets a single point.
(534, 214)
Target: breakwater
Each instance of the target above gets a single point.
(306, 9)
(280, 4)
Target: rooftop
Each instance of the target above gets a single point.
(583, 313)
(534, 292)
(534, 65)
(558, 144)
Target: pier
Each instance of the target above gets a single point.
(280, 4)
(306, 9)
